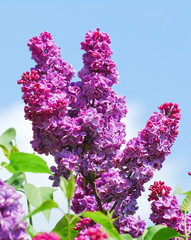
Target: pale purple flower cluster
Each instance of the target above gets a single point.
(129, 224)
(11, 213)
(166, 210)
(79, 123)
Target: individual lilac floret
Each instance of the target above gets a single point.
(11, 214)
(166, 210)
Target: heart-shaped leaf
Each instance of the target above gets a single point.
(37, 196)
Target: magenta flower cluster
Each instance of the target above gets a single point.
(11, 214)
(91, 233)
(88, 230)
(79, 123)
(47, 236)
(166, 210)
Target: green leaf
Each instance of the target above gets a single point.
(186, 207)
(46, 205)
(68, 187)
(180, 191)
(68, 221)
(9, 167)
(16, 180)
(37, 196)
(161, 232)
(31, 231)
(126, 237)
(105, 221)
(6, 140)
(27, 162)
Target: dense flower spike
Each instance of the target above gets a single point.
(146, 153)
(80, 122)
(11, 214)
(166, 210)
(47, 236)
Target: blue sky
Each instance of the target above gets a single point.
(151, 41)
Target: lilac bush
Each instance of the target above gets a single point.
(11, 214)
(79, 123)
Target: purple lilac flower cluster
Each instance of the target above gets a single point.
(79, 123)
(166, 210)
(146, 153)
(44, 93)
(11, 213)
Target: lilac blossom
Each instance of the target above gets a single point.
(79, 123)
(166, 210)
(146, 153)
(11, 214)
(129, 224)
(79, 119)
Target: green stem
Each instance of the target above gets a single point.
(114, 205)
(69, 201)
(28, 204)
(68, 224)
(92, 183)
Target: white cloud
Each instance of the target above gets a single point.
(133, 119)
